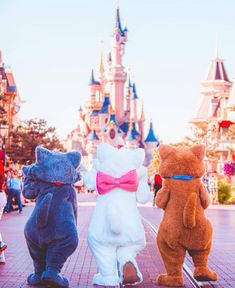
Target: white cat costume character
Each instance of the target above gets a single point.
(116, 233)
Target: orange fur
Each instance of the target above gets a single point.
(184, 226)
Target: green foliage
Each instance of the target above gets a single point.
(224, 191)
(232, 199)
(28, 136)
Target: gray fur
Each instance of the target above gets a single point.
(51, 232)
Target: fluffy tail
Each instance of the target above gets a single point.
(189, 213)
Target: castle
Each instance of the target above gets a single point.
(110, 113)
(214, 121)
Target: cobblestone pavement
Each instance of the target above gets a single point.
(222, 256)
(81, 266)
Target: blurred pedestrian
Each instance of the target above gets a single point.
(213, 186)
(15, 186)
(157, 185)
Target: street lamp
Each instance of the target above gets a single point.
(4, 135)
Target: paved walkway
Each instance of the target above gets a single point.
(80, 267)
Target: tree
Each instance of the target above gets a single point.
(231, 132)
(31, 133)
(155, 163)
(3, 112)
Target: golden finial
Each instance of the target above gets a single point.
(101, 64)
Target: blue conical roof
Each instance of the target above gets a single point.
(130, 135)
(118, 23)
(124, 127)
(105, 108)
(92, 79)
(112, 117)
(151, 136)
(133, 133)
(93, 136)
(134, 129)
(134, 93)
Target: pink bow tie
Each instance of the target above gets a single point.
(128, 181)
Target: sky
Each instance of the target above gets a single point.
(52, 45)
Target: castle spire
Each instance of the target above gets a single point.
(134, 93)
(118, 24)
(142, 116)
(101, 64)
(92, 79)
(131, 136)
(117, 74)
(151, 136)
(216, 70)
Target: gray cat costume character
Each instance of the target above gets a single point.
(51, 230)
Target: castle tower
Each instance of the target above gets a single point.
(133, 104)
(110, 113)
(128, 95)
(131, 141)
(151, 142)
(214, 95)
(92, 142)
(102, 79)
(94, 86)
(117, 75)
(103, 114)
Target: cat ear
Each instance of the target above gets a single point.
(74, 157)
(138, 157)
(41, 154)
(199, 151)
(165, 150)
(104, 151)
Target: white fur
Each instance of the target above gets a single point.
(116, 223)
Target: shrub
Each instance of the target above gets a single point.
(232, 200)
(229, 168)
(224, 191)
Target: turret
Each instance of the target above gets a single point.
(151, 139)
(94, 86)
(117, 75)
(151, 142)
(92, 142)
(131, 140)
(103, 114)
(101, 71)
(142, 121)
(214, 95)
(133, 104)
(80, 112)
(128, 94)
